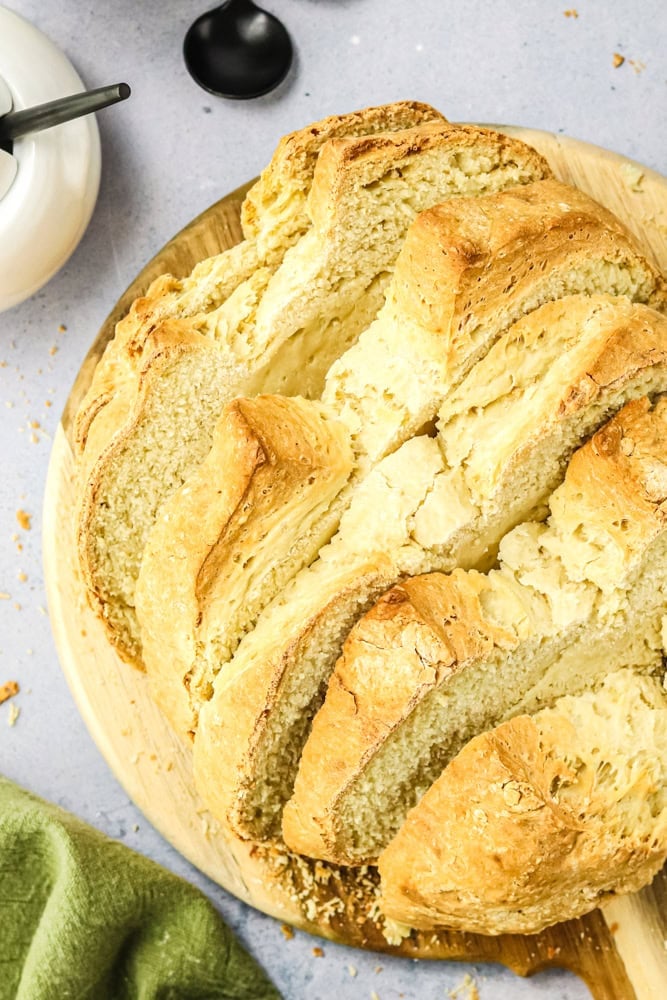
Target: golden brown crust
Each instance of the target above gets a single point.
(234, 738)
(376, 157)
(533, 228)
(429, 628)
(281, 191)
(493, 848)
(288, 309)
(297, 153)
(273, 464)
(416, 636)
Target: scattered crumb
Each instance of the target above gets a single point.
(24, 519)
(287, 932)
(8, 690)
(9, 404)
(62, 328)
(352, 970)
(22, 577)
(34, 439)
(637, 65)
(135, 828)
(42, 610)
(468, 985)
(318, 953)
(5, 596)
(374, 995)
(17, 606)
(394, 932)
(633, 176)
(14, 712)
(571, 12)
(53, 350)
(48, 402)
(35, 424)
(378, 968)
(618, 60)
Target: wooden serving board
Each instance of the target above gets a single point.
(620, 953)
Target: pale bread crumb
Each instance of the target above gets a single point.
(466, 990)
(632, 175)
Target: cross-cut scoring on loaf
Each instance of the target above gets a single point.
(324, 290)
(462, 352)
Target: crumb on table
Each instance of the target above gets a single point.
(8, 690)
(24, 519)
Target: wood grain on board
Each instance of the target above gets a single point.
(620, 952)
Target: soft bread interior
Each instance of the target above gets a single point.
(396, 522)
(441, 658)
(214, 553)
(587, 777)
(273, 216)
(324, 279)
(545, 229)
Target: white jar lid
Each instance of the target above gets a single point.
(47, 208)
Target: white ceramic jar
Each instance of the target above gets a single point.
(45, 212)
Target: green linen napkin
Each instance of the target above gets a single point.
(83, 916)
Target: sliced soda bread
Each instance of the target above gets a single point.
(546, 385)
(273, 217)
(470, 268)
(329, 285)
(441, 658)
(283, 459)
(547, 222)
(541, 819)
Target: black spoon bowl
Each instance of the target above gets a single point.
(238, 50)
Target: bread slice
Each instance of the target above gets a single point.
(273, 217)
(328, 287)
(540, 820)
(547, 222)
(216, 551)
(441, 658)
(546, 385)
(470, 268)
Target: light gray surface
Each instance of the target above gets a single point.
(167, 154)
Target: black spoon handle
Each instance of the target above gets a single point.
(18, 123)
